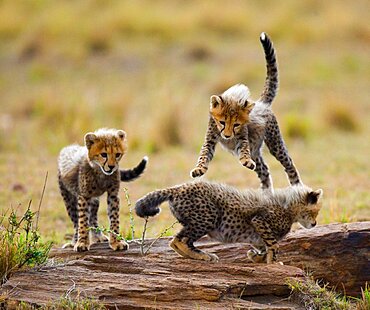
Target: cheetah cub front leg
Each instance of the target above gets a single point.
(264, 230)
(245, 155)
(206, 155)
(257, 254)
(113, 213)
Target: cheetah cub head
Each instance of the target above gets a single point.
(106, 148)
(310, 209)
(231, 110)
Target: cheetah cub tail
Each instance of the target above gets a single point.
(272, 76)
(132, 174)
(148, 205)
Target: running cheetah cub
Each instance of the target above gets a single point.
(86, 173)
(242, 125)
(228, 215)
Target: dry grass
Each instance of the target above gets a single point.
(314, 295)
(71, 67)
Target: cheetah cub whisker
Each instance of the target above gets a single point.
(86, 173)
(228, 215)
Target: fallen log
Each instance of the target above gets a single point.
(337, 253)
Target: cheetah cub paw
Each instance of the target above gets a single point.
(249, 163)
(118, 245)
(256, 257)
(81, 246)
(212, 257)
(68, 245)
(97, 237)
(198, 172)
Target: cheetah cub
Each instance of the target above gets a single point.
(228, 215)
(242, 125)
(84, 174)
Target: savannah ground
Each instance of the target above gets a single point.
(67, 68)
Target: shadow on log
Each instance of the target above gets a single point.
(337, 253)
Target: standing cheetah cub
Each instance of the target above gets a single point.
(228, 215)
(86, 173)
(242, 125)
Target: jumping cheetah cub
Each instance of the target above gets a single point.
(228, 215)
(242, 125)
(86, 173)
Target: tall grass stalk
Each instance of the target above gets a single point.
(158, 237)
(132, 222)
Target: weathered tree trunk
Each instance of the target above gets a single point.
(337, 253)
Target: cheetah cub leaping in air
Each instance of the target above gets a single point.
(229, 215)
(242, 126)
(86, 173)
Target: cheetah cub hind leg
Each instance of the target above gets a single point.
(182, 248)
(72, 243)
(97, 237)
(174, 245)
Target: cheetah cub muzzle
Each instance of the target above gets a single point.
(228, 215)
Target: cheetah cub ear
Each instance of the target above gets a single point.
(121, 134)
(90, 139)
(216, 101)
(248, 106)
(314, 196)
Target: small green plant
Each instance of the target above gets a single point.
(131, 234)
(20, 243)
(163, 233)
(66, 303)
(102, 229)
(313, 296)
(141, 241)
(363, 303)
(77, 303)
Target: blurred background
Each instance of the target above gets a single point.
(69, 67)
